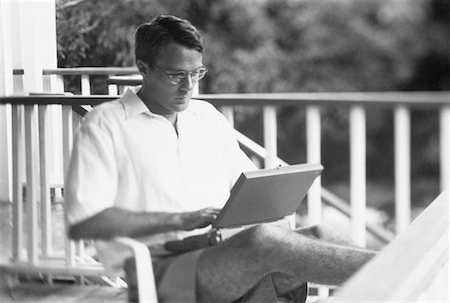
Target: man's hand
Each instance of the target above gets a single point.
(198, 219)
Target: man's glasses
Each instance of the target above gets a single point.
(178, 77)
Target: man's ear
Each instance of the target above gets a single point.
(142, 67)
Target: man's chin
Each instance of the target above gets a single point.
(182, 104)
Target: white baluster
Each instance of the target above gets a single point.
(67, 134)
(17, 180)
(44, 136)
(445, 148)
(402, 135)
(85, 85)
(358, 174)
(270, 135)
(313, 151)
(32, 162)
(112, 90)
(228, 112)
(313, 155)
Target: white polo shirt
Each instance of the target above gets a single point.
(126, 156)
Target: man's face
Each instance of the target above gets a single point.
(162, 96)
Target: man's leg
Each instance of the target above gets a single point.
(227, 271)
(325, 234)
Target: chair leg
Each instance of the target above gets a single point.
(131, 277)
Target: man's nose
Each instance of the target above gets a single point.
(187, 84)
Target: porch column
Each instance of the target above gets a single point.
(36, 29)
(28, 42)
(6, 88)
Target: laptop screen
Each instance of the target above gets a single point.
(267, 195)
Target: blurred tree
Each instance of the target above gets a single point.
(288, 45)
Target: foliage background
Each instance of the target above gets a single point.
(296, 46)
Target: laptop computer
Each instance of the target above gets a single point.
(265, 195)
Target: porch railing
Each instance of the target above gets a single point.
(25, 124)
(399, 102)
(53, 79)
(31, 125)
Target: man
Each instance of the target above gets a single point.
(156, 165)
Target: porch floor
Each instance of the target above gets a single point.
(43, 293)
(37, 292)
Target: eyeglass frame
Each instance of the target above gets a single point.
(176, 81)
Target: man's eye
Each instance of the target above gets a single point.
(178, 75)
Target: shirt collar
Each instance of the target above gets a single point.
(134, 105)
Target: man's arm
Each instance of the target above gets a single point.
(115, 221)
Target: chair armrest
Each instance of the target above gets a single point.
(144, 267)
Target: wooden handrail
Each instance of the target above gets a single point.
(390, 99)
(76, 71)
(408, 265)
(53, 99)
(90, 71)
(133, 80)
(416, 99)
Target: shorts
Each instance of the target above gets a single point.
(175, 277)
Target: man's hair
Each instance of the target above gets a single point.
(151, 37)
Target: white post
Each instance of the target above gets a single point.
(6, 68)
(402, 144)
(28, 42)
(6, 88)
(18, 144)
(85, 85)
(46, 224)
(313, 155)
(445, 148)
(35, 49)
(228, 112)
(55, 169)
(17, 60)
(113, 90)
(358, 174)
(31, 51)
(313, 151)
(67, 133)
(196, 90)
(32, 161)
(47, 11)
(270, 135)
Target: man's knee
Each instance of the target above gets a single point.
(265, 235)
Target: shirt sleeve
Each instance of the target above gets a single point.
(92, 176)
